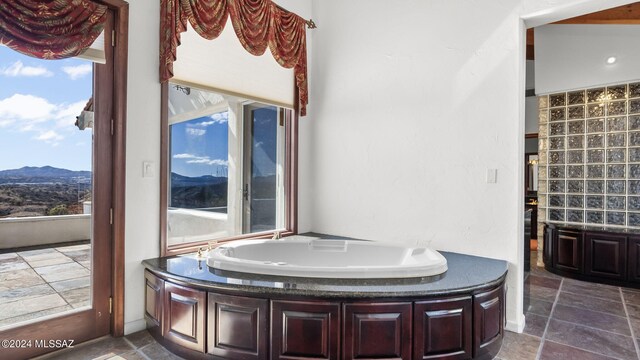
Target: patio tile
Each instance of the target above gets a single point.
(77, 297)
(85, 263)
(65, 249)
(71, 284)
(34, 315)
(53, 260)
(598, 341)
(8, 256)
(38, 254)
(17, 308)
(60, 272)
(13, 265)
(24, 293)
(18, 279)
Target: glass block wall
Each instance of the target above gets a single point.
(589, 157)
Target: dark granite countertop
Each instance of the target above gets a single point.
(595, 228)
(465, 273)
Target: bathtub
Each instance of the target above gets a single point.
(323, 258)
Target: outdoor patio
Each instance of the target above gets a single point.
(37, 283)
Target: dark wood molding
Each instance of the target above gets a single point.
(531, 136)
(291, 118)
(164, 166)
(121, 26)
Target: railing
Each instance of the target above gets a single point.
(43, 230)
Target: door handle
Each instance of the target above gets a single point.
(245, 192)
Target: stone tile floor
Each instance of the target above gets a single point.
(566, 319)
(570, 319)
(37, 283)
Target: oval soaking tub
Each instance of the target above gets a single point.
(320, 258)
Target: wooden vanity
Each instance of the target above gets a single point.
(202, 313)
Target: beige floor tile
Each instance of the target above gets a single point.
(35, 315)
(18, 279)
(61, 272)
(24, 293)
(77, 297)
(22, 307)
(71, 284)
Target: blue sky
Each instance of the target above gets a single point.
(39, 102)
(200, 146)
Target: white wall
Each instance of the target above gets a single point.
(412, 102)
(142, 223)
(572, 57)
(392, 121)
(142, 232)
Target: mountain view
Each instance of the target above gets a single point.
(42, 191)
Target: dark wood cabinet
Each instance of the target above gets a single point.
(377, 331)
(568, 251)
(237, 327)
(547, 245)
(593, 254)
(305, 330)
(605, 255)
(633, 256)
(184, 316)
(488, 315)
(153, 288)
(199, 324)
(442, 329)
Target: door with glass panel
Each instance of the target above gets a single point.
(263, 190)
(55, 196)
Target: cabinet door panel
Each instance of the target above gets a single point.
(184, 316)
(442, 329)
(633, 257)
(568, 252)
(547, 246)
(605, 255)
(154, 287)
(237, 327)
(377, 331)
(488, 322)
(304, 330)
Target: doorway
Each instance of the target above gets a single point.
(84, 274)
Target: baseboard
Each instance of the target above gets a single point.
(517, 327)
(134, 326)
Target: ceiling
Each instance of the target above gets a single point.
(627, 14)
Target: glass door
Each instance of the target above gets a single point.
(263, 168)
(55, 201)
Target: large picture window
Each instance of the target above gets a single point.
(228, 168)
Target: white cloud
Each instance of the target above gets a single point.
(184, 156)
(19, 69)
(194, 159)
(26, 107)
(23, 113)
(76, 72)
(196, 132)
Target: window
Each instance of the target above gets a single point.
(228, 168)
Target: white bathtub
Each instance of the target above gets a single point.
(318, 258)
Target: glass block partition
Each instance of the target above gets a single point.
(589, 156)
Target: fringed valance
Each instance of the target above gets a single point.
(50, 29)
(257, 23)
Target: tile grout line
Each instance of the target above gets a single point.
(633, 337)
(546, 328)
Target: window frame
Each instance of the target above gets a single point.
(290, 118)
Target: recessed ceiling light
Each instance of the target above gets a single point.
(611, 60)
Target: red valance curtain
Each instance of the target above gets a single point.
(257, 23)
(50, 29)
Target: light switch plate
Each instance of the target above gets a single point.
(147, 169)
(492, 176)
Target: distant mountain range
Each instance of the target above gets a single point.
(44, 174)
(181, 180)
